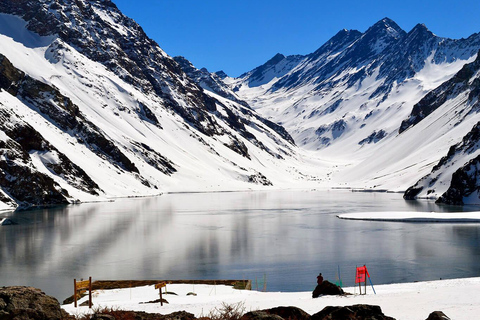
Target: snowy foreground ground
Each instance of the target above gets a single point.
(457, 298)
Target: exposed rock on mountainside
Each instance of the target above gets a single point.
(212, 82)
(465, 184)
(458, 84)
(464, 179)
(208, 81)
(94, 108)
(60, 110)
(102, 33)
(278, 66)
(458, 168)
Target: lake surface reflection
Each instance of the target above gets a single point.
(287, 236)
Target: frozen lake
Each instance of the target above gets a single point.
(287, 237)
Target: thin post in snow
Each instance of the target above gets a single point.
(372, 285)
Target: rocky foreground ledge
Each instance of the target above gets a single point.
(27, 303)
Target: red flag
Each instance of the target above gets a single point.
(361, 273)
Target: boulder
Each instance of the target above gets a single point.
(437, 315)
(290, 313)
(27, 303)
(179, 315)
(141, 315)
(260, 315)
(355, 312)
(327, 288)
(101, 316)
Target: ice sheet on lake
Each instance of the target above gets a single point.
(450, 217)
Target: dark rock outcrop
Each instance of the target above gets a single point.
(327, 288)
(290, 313)
(25, 303)
(465, 182)
(437, 315)
(355, 312)
(260, 315)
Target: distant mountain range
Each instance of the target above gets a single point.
(93, 109)
(385, 104)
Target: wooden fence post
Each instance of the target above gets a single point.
(90, 292)
(75, 291)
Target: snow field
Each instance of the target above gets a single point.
(457, 298)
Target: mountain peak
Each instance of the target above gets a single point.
(276, 59)
(221, 74)
(421, 28)
(388, 26)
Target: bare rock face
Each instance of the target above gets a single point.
(355, 312)
(24, 303)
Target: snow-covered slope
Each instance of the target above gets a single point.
(92, 108)
(352, 101)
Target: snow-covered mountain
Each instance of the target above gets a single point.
(92, 108)
(354, 98)
(354, 83)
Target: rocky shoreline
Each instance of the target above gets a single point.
(28, 303)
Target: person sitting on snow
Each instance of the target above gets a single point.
(319, 279)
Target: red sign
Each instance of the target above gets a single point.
(362, 273)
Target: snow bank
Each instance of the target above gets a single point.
(448, 217)
(456, 298)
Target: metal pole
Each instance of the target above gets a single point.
(372, 285)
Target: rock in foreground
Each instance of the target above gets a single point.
(355, 312)
(27, 303)
(278, 313)
(437, 315)
(327, 288)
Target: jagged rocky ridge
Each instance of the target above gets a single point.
(112, 114)
(212, 82)
(356, 77)
(208, 81)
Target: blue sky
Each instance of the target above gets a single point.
(239, 35)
